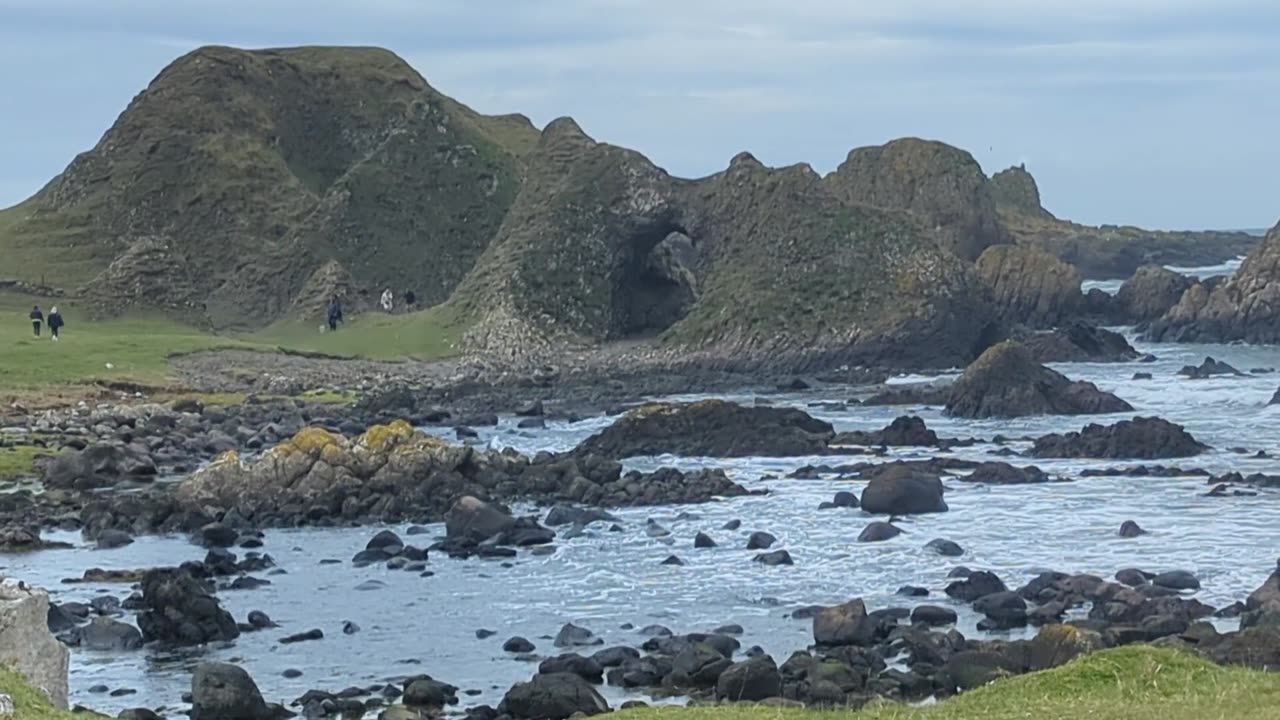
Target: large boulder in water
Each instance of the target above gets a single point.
(905, 431)
(476, 520)
(1244, 307)
(710, 428)
(1031, 287)
(220, 691)
(27, 646)
(903, 490)
(1007, 382)
(1150, 293)
(552, 697)
(1078, 342)
(1138, 439)
(179, 610)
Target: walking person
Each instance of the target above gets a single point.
(37, 317)
(388, 300)
(335, 313)
(55, 323)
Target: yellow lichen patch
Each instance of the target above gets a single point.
(312, 440)
(1060, 633)
(229, 457)
(381, 438)
(334, 454)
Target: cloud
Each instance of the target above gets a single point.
(1144, 111)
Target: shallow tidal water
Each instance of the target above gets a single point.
(601, 580)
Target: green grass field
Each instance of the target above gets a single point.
(1132, 683)
(30, 704)
(426, 335)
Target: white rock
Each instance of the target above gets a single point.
(7, 709)
(27, 646)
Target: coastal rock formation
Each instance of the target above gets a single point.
(393, 472)
(903, 490)
(27, 646)
(1031, 287)
(1108, 251)
(220, 691)
(1007, 382)
(1244, 307)
(942, 185)
(557, 696)
(1078, 342)
(904, 431)
(179, 610)
(710, 428)
(1139, 438)
(1150, 293)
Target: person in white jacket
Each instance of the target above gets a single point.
(388, 300)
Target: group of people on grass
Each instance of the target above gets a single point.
(334, 313)
(54, 319)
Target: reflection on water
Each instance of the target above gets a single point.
(602, 580)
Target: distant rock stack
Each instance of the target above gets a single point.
(1015, 190)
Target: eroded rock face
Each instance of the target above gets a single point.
(1244, 307)
(1139, 438)
(711, 428)
(1150, 293)
(1031, 287)
(1007, 382)
(27, 646)
(942, 185)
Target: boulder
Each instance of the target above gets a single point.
(1207, 369)
(109, 635)
(1267, 597)
(226, 692)
(710, 428)
(1056, 644)
(760, 540)
(424, 692)
(932, 615)
(1077, 342)
(1131, 529)
(1007, 382)
(1004, 609)
(27, 645)
(99, 466)
(846, 624)
(552, 697)
(976, 585)
(1176, 580)
(905, 431)
(878, 532)
(945, 548)
(775, 558)
(1002, 473)
(751, 680)
(573, 636)
(475, 520)
(1139, 438)
(698, 665)
(179, 610)
(1150, 293)
(903, 490)
(971, 669)
(1030, 286)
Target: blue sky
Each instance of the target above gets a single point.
(1159, 113)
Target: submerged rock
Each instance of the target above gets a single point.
(1007, 382)
(905, 431)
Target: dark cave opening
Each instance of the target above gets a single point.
(655, 282)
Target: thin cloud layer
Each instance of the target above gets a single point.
(1151, 112)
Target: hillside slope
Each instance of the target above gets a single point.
(236, 174)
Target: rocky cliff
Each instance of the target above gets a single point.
(1108, 251)
(1244, 307)
(27, 646)
(1031, 287)
(940, 184)
(236, 174)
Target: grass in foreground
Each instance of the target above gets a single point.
(31, 704)
(19, 461)
(1132, 683)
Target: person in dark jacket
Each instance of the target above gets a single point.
(37, 317)
(55, 323)
(335, 313)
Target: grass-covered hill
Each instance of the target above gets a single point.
(236, 174)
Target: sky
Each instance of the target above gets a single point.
(1158, 113)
